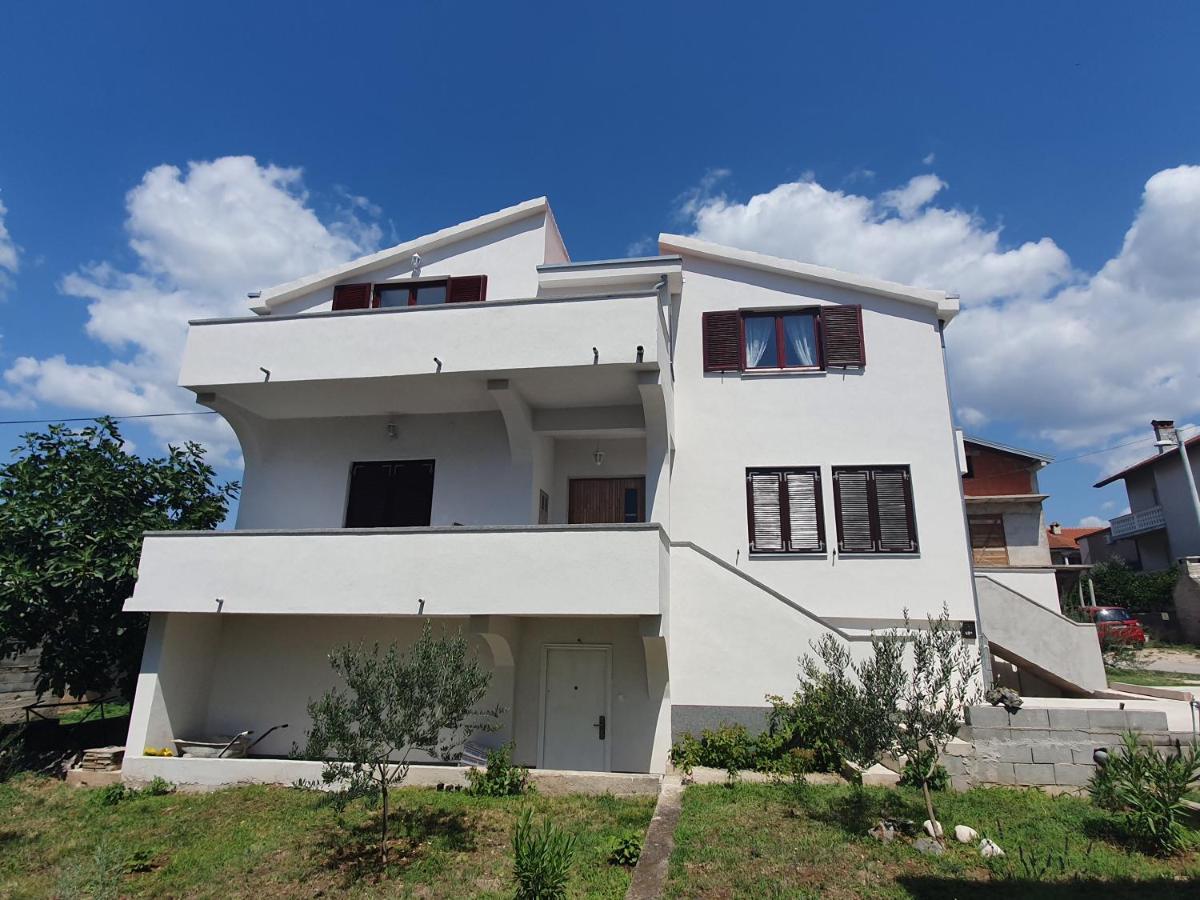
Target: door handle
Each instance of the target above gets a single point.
(600, 725)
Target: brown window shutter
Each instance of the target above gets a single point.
(467, 289)
(896, 530)
(722, 341)
(766, 512)
(842, 336)
(852, 510)
(352, 296)
(989, 546)
(806, 528)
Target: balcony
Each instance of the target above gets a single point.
(572, 352)
(532, 571)
(1149, 519)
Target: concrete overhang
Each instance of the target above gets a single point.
(613, 274)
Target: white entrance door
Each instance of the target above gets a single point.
(576, 720)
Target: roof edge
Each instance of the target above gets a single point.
(1149, 461)
(1006, 448)
(281, 293)
(945, 305)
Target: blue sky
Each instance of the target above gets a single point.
(1037, 158)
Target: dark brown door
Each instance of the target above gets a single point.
(605, 500)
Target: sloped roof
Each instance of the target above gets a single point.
(1068, 539)
(1005, 448)
(281, 293)
(945, 304)
(1157, 458)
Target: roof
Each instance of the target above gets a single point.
(1145, 463)
(1069, 538)
(1005, 448)
(944, 304)
(281, 293)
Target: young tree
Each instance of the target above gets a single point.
(396, 703)
(939, 683)
(73, 506)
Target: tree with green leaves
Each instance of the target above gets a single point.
(396, 703)
(73, 507)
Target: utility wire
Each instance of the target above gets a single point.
(206, 412)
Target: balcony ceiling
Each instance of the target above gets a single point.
(615, 385)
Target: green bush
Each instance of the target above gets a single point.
(113, 794)
(1116, 584)
(910, 775)
(627, 850)
(541, 859)
(158, 787)
(732, 747)
(1146, 790)
(501, 778)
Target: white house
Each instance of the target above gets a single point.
(641, 486)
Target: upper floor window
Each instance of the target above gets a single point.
(429, 292)
(395, 494)
(873, 506)
(797, 339)
(784, 507)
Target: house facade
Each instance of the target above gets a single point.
(1160, 527)
(641, 487)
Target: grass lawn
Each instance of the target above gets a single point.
(91, 713)
(761, 840)
(278, 842)
(1152, 677)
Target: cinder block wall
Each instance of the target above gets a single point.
(1187, 599)
(1047, 748)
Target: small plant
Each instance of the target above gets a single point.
(1146, 789)
(138, 861)
(1033, 867)
(627, 850)
(541, 859)
(501, 778)
(911, 774)
(113, 794)
(97, 877)
(158, 787)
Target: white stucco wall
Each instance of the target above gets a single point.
(1040, 586)
(895, 411)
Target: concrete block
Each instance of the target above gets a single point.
(982, 735)
(1068, 719)
(1051, 753)
(1029, 735)
(1106, 720)
(959, 748)
(954, 765)
(1146, 720)
(991, 772)
(1034, 773)
(1030, 718)
(961, 782)
(1083, 757)
(1010, 753)
(987, 716)
(879, 776)
(1076, 776)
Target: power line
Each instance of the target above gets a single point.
(206, 412)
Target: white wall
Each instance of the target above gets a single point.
(1041, 587)
(896, 411)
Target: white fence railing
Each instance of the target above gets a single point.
(1138, 522)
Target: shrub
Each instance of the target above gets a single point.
(911, 774)
(1146, 789)
(158, 787)
(1116, 584)
(113, 794)
(501, 778)
(728, 747)
(627, 850)
(541, 859)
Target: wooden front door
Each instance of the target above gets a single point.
(606, 500)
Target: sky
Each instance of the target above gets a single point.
(1041, 160)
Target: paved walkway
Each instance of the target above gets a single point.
(650, 874)
(1159, 659)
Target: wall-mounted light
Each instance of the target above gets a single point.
(416, 264)
(598, 456)
(392, 431)
(595, 355)
(641, 351)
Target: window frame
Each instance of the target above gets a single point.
(873, 509)
(411, 287)
(778, 314)
(785, 519)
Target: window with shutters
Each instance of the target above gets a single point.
(873, 507)
(396, 493)
(784, 510)
(435, 292)
(805, 339)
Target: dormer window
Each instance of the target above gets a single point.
(425, 292)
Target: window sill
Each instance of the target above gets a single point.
(769, 373)
(872, 555)
(787, 554)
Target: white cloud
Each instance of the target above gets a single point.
(1072, 358)
(929, 158)
(1093, 522)
(970, 417)
(10, 254)
(203, 238)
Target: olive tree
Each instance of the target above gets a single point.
(395, 703)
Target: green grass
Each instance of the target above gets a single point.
(279, 842)
(782, 841)
(92, 713)
(1152, 677)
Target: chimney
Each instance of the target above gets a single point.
(1056, 528)
(1164, 434)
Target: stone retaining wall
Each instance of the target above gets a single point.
(1046, 748)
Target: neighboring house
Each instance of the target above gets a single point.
(1100, 545)
(1004, 516)
(1161, 522)
(1069, 546)
(641, 486)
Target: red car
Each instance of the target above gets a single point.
(1115, 623)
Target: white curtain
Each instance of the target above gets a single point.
(760, 333)
(798, 330)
